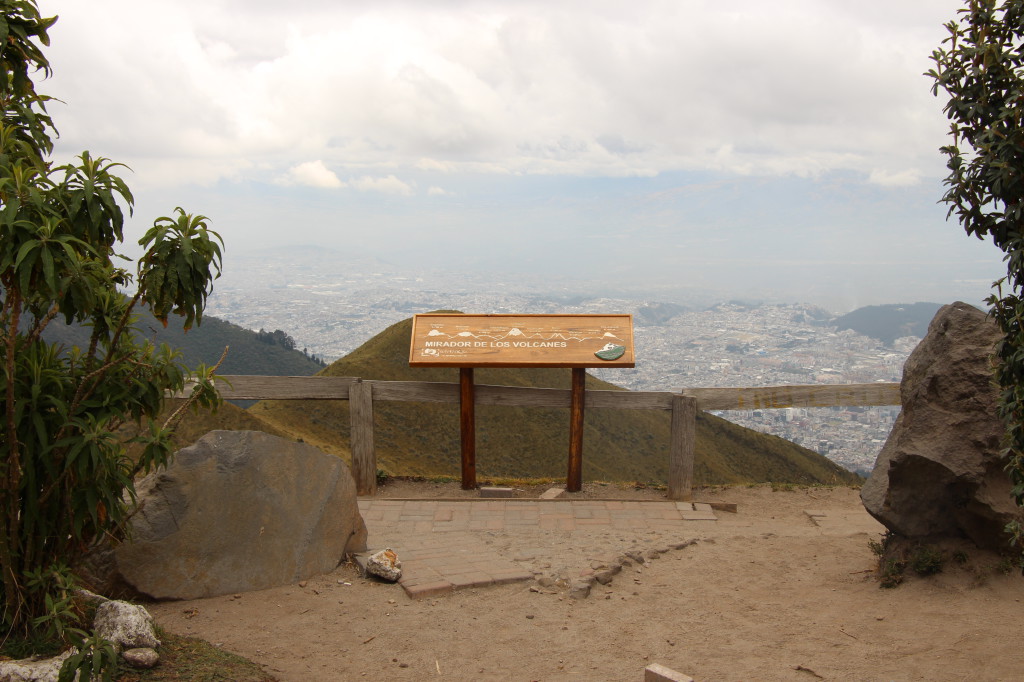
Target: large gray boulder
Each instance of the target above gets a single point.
(940, 473)
(239, 511)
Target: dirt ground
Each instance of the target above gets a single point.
(765, 594)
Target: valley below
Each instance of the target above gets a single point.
(331, 305)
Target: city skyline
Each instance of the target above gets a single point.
(786, 151)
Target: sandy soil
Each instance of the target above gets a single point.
(765, 594)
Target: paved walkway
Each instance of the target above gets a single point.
(446, 545)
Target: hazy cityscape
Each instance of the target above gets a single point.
(331, 307)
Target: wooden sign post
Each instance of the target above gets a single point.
(572, 341)
(467, 427)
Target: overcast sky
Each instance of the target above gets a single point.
(788, 149)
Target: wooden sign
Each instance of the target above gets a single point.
(576, 341)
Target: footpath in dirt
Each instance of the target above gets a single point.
(781, 589)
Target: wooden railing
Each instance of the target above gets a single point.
(683, 405)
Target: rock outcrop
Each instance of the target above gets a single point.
(238, 511)
(940, 473)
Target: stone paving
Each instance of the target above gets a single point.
(447, 545)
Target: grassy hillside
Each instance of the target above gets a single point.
(619, 445)
(228, 417)
(264, 354)
(194, 426)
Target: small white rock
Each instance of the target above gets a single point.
(141, 657)
(385, 564)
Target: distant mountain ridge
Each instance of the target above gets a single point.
(889, 322)
(620, 445)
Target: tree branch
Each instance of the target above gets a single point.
(175, 418)
(11, 534)
(41, 324)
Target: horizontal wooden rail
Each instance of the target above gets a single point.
(239, 387)
(776, 397)
(244, 387)
(683, 406)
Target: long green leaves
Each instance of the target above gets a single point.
(183, 257)
(65, 480)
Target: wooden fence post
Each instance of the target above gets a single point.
(467, 427)
(364, 459)
(681, 449)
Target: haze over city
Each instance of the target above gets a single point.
(778, 151)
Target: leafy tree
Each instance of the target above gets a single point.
(65, 481)
(276, 338)
(981, 67)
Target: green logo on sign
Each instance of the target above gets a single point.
(611, 352)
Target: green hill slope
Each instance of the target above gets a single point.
(890, 321)
(194, 426)
(619, 445)
(266, 353)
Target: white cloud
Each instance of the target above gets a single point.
(311, 174)
(904, 178)
(550, 121)
(385, 185)
(792, 86)
(434, 165)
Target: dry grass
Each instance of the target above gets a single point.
(196, 660)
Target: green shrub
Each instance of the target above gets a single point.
(1009, 564)
(66, 482)
(891, 573)
(877, 547)
(926, 560)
